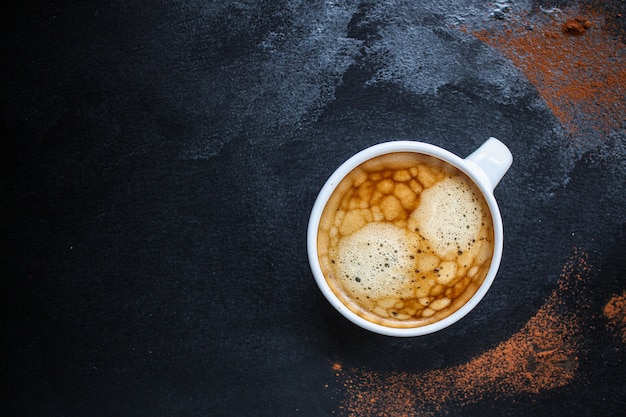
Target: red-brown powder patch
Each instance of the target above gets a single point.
(542, 356)
(577, 26)
(615, 312)
(574, 61)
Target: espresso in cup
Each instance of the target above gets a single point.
(405, 240)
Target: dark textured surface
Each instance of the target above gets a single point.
(159, 164)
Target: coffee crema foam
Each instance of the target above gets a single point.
(405, 240)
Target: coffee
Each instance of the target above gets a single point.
(405, 240)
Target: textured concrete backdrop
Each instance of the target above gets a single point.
(160, 163)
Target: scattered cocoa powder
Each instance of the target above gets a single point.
(582, 78)
(577, 26)
(543, 355)
(615, 312)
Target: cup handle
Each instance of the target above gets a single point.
(492, 160)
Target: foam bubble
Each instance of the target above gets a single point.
(376, 262)
(450, 216)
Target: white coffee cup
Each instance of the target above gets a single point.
(485, 167)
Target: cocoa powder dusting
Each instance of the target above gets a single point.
(542, 356)
(577, 26)
(575, 62)
(615, 312)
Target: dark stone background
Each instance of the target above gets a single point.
(159, 164)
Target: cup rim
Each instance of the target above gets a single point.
(472, 171)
